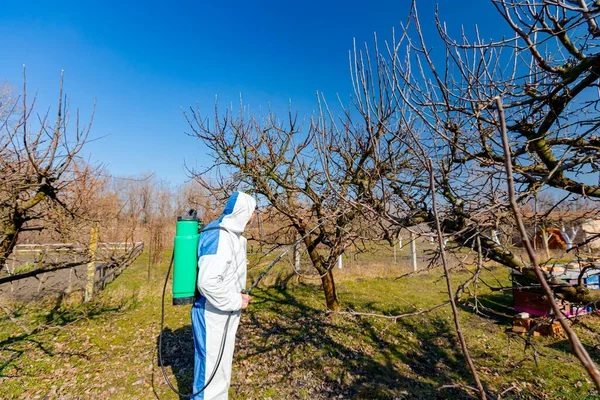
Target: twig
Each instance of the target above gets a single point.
(10, 315)
(588, 240)
(510, 389)
(392, 317)
(463, 343)
(455, 386)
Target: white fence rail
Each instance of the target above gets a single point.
(69, 247)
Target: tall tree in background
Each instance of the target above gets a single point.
(38, 166)
(192, 195)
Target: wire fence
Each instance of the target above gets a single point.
(40, 271)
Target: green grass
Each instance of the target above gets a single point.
(288, 346)
(21, 269)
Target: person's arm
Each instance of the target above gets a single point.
(212, 270)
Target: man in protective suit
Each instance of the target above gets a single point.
(221, 279)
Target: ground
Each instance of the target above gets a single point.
(288, 345)
(45, 285)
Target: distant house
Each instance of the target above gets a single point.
(591, 228)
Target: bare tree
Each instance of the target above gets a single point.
(278, 161)
(193, 195)
(38, 166)
(409, 108)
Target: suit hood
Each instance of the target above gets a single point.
(237, 212)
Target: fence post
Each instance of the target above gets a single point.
(70, 285)
(585, 238)
(91, 267)
(340, 262)
(350, 255)
(413, 250)
(297, 257)
(150, 253)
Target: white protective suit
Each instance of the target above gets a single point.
(221, 279)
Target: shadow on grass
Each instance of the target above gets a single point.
(563, 345)
(47, 317)
(287, 349)
(495, 306)
(178, 358)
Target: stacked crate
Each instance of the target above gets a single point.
(534, 301)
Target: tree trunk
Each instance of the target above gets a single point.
(8, 241)
(14, 219)
(326, 279)
(329, 291)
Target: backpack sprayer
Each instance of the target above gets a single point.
(187, 235)
(185, 262)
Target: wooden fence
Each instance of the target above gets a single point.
(109, 271)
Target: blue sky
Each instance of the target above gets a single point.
(143, 61)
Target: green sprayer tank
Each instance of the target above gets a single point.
(186, 258)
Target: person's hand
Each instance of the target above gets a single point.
(245, 300)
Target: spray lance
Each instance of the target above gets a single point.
(185, 259)
(296, 243)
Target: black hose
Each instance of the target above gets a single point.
(160, 360)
